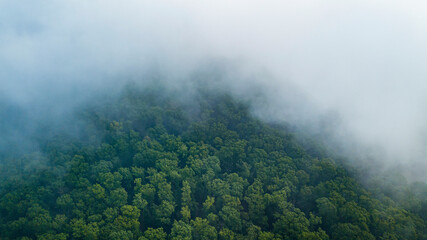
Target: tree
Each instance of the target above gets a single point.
(186, 194)
(230, 213)
(181, 231)
(128, 219)
(164, 211)
(154, 234)
(349, 231)
(202, 230)
(117, 198)
(256, 204)
(121, 235)
(84, 231)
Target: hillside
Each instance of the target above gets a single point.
(147, 166)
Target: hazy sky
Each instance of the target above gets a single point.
(363, 60)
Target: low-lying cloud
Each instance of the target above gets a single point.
(362, 61)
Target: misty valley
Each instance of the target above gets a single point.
(146, 165)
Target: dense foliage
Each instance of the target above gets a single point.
(149, 167)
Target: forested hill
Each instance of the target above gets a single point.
(147, 166)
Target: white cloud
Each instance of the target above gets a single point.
(362, 59)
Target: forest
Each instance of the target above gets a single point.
(146, 165)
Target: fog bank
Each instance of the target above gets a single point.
(359, 63)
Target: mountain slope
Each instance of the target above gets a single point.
(148, 166)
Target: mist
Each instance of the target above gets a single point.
(359, 64)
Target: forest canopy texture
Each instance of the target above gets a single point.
(148, 166)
